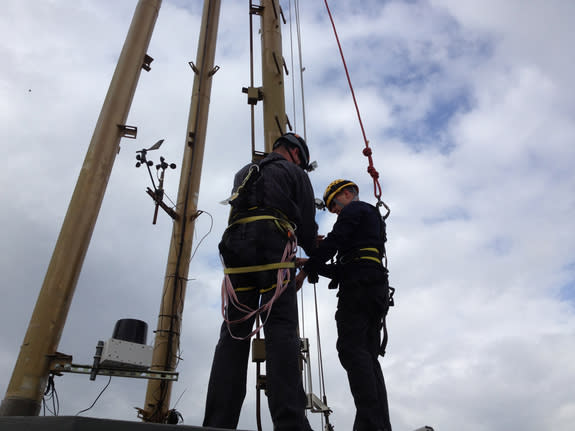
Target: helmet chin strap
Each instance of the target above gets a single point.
(340, 204)
(292, 159)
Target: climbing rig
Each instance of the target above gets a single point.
(276, 123)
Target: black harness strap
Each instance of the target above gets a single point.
(383, 345)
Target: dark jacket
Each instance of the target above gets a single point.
(359, 225)
(285, 187)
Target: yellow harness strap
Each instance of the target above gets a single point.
(375, 250)
(372, 249)
(247, 289)
(375, 259)
(250, 219)
(282, 224)
(257, 268)
(244, 289)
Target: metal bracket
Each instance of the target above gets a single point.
(280, 130)
(304, 345)
(319, 204)
(59, 360)
(288, 123)
(59, 368)
(195, 215)
(274, 8)
(261, 383)
(258, 350)
(128, 131)
(213, 71)
(197, 71)
(255, 94)
(194, 68)
(256, 9)
(257, 156)
(278, 67)
(158, 199)
(146, 64)
(316, 405)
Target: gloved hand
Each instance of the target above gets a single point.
(313, 277)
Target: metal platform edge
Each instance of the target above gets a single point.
(80, 423)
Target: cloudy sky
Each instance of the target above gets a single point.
(469, 107)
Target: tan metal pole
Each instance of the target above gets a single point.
(24, 393)
(167, 340)
(272, 74)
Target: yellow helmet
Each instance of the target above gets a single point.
(334, 188)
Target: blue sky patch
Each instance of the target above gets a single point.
(431, 130)
(567, 290)
(501, 245)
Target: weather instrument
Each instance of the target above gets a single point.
(157, 194)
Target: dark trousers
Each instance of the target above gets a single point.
(360, 309)
(227, 384)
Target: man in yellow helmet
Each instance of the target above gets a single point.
(358, 238)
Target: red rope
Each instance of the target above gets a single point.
(367, 150)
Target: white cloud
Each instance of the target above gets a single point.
(469, 109)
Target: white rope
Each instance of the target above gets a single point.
(301, 68)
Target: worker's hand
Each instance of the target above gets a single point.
(300, 278)
(300, 261)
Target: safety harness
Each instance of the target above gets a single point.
(369, 254)
(229, 296)
(247, 200)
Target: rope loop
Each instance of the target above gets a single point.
(377, 190)
(230, 299)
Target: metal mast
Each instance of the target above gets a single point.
(274, 115)
(167, 340)
(24, 393)
(273, 65)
